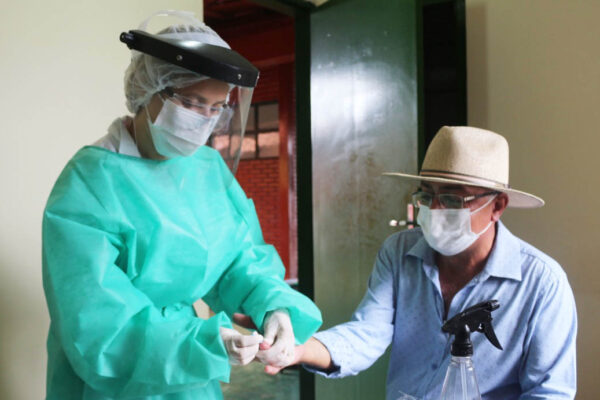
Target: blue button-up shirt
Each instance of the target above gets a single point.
(536, 323)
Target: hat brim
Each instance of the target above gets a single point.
(516, 198)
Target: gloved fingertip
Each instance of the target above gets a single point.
(255, 333)
(246, 361)
(256, 340)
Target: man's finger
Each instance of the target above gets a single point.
(264, 346)
(263, 357)
(278, 355)
(271, 370)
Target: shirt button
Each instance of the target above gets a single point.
(434, 366)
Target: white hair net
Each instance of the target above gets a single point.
(147, 75)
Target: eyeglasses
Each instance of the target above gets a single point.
(200, 108)
(446, 200)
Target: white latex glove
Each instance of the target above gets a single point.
(279, 340)
(240, 348)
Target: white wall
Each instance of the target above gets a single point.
(61, 73)
(534, 77)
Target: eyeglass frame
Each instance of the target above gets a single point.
(190, 104)
(464, 199)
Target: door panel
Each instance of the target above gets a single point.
(364, 122)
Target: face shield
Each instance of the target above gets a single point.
(228, 134)
(183, 56)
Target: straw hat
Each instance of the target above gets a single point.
(463, 155)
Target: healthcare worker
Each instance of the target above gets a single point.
(148, 220)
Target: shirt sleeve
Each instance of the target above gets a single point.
(253, 284)
(113, 335)
(354, 346)
(548, 368)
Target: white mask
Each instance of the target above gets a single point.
(448, 231)
(178, 131)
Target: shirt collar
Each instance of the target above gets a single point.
(126, 144)
(503, 262)
(422, 250)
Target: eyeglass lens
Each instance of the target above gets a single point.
(445, 200)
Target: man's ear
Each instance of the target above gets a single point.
(500, 204)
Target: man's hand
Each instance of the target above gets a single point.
(277, 349)
(274, 370)
(241, 348)
(312, 353)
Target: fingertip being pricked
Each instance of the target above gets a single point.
(264, 346)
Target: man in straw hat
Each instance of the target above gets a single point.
(461, 255)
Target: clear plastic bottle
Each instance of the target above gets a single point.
(460, 382)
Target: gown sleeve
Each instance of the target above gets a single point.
(112, 334)
(253, 284)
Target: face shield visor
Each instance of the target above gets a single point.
(228, 134)
(206, 61)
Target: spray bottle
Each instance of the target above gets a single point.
(460, 382)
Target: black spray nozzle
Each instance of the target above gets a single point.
(474, 319)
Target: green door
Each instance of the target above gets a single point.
(364, 121)
(365, 92)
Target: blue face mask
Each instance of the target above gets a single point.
(448, 231)
(178, 131)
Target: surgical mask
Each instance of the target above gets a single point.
(178, 131)
(448, 231)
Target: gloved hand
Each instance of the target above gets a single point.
(277, 348)
(241, 348)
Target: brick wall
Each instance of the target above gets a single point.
(260, 180)
(267, 88)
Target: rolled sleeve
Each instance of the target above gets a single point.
(354, 346)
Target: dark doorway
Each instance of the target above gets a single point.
(266, 170)
(443, 88)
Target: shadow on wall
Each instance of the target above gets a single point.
(23, 329)
(477, 61)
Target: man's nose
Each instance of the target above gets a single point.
(435, 202)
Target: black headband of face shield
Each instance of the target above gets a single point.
(205, 59)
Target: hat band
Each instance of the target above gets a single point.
(462, 177)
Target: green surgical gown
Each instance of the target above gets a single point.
(129, 244)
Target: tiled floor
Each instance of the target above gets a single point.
(250, 382)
